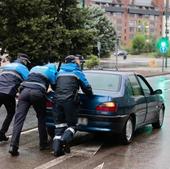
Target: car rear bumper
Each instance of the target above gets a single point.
(97, 123)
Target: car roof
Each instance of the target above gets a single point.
(122, 73)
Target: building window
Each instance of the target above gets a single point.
(152, 23)
(131, 36)
(131, 29)
(143, 2)
(152, 30)
(119, 21)
(132, 23)
(117, 14)
(119, 28)
(151, 17)
(110, 13)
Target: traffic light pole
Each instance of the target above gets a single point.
(166, 29)
(163, 62)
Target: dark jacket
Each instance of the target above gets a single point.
(40, 77)
(11, 75)
(69, 79)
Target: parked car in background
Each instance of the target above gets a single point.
(122, 102)
(121, 52)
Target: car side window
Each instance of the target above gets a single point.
(129, 88)
(145, 88)
(136, 88)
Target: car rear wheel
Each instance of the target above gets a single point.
(128, 132)
(160, 120)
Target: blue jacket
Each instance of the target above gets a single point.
(69, 79)
(11, 76)
(41, 77)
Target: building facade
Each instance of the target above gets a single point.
(166, 19)
(132, 16)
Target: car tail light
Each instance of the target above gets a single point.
(49, 103)
(108, 106)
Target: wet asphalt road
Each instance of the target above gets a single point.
(150, 148)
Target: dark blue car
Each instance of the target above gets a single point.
(122, 102)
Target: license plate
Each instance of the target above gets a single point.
(83, 121)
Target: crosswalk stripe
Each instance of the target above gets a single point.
(54, 162)
(27, 131)
(99, 166)
(83, 149)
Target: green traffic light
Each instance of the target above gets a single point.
(163, 44)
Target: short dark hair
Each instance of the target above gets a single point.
(70, 59)
(24, 56)
(80, 57)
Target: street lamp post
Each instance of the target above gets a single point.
(117, 48)
(98, 50)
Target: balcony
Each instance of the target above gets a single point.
(114, 9)
(140, 11)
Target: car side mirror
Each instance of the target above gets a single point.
(158, 91)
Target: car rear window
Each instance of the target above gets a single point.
(103, 81)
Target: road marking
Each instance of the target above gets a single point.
(99, 166)
(83, 149)
(54, 162)
(27, 131)
(86, 149)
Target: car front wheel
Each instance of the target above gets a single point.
(128, 132)
(160, 120)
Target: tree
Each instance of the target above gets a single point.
(105, 32)
(138, 44)
(150, 44)
(46, 30)
(92, 61)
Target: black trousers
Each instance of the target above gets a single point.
(66, 112)
(65, 115)
(28, 97)
(10, 104)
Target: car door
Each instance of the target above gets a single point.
(139, 100)
(150, 99)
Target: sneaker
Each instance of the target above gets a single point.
(13, 150)
(3, 137)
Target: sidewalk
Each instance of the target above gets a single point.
(146, 71)
(142, 65)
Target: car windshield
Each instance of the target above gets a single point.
(103, 81)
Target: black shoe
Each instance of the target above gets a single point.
(13, 151)
(59, 153)
(58, 149)
(66, 147)
(3, 137)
